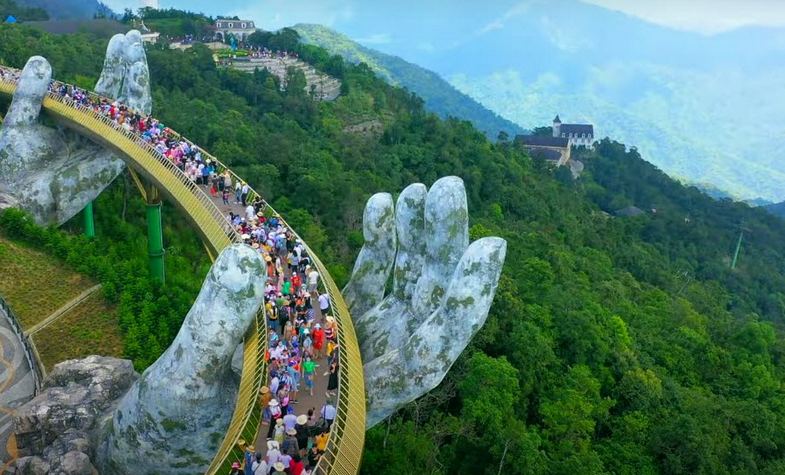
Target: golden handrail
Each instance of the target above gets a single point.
(347, 435)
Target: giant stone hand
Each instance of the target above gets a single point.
(175, 416)
(53, 172)
(442, 290)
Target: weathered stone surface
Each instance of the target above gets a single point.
(76, 463)
(75, 395)
(441, 295)
(173, 419)
(373, 264)
(406, 373)
(110, 82)
(126, 75)
(32, 466)
(58, 428)
(54, 172)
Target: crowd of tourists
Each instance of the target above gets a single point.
(302, 333)
(262, 52)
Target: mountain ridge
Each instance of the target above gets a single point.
(439, 95)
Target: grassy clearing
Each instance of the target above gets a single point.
(88, 329)
(35, 284)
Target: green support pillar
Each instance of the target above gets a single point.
(155, 241)
(89, 223)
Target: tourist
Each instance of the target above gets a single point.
(278, 469)
(321, 439)
(236, 469)
(259, 466)
(275, 415)
(328, 413)
(296, 466)
(324, 303)
(309, 370)
(332, 383)
(273, 452)
(248, 458)
(290, 445)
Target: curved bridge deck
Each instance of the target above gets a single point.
(347, 436)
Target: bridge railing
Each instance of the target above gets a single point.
(347, 435)
(31, 352)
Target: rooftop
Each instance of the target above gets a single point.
(541, 141)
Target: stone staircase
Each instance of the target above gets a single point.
(326, 88)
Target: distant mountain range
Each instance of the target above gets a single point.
(68, 9)
(705, 109)
(440, 97)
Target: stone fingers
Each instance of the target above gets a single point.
(374, 263)
(111, 80)
(30, 92)
(136, 84)
(180, 408)
(407, 372)
(125, 75)
(447, 236)
(410, 229)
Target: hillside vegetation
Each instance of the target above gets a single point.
(440, 97)
(614, 345)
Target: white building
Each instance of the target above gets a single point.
(241, 29)
(576, 134)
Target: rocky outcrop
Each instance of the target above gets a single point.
(442, 291)
(172, 420)
(56, 430)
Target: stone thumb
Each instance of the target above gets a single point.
(178, 411)
(30, 92)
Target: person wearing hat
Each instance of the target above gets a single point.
(236, 469)
(278, 469)
(273, 452)
(280, 431)
(290, 445)
(296, 466)
(318, 340)
(302, 431)
(275, 414)
(248, 457)
(264, 400)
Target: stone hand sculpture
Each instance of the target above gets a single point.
(53, 172)
(442, 290)
(175, 416)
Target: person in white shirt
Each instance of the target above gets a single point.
(313, 279)
(324, 303)
(259, 467)
(328, 413)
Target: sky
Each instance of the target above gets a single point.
(701, 16)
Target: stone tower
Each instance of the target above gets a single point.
(557, 126)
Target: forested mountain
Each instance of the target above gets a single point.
(701, 107)
(614, 345)
(440, 97)
(68, 9)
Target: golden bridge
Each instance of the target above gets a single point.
(347, 435)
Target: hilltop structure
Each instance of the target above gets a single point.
(556, 148)
(577, 134)
(240, 29)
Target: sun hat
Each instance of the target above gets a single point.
(291, 431)
(273, 402)
(279, 466)
(279, 422)
(236, 465)
(272, 445)
(302, 419)
(264, 390)
(250, 448)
